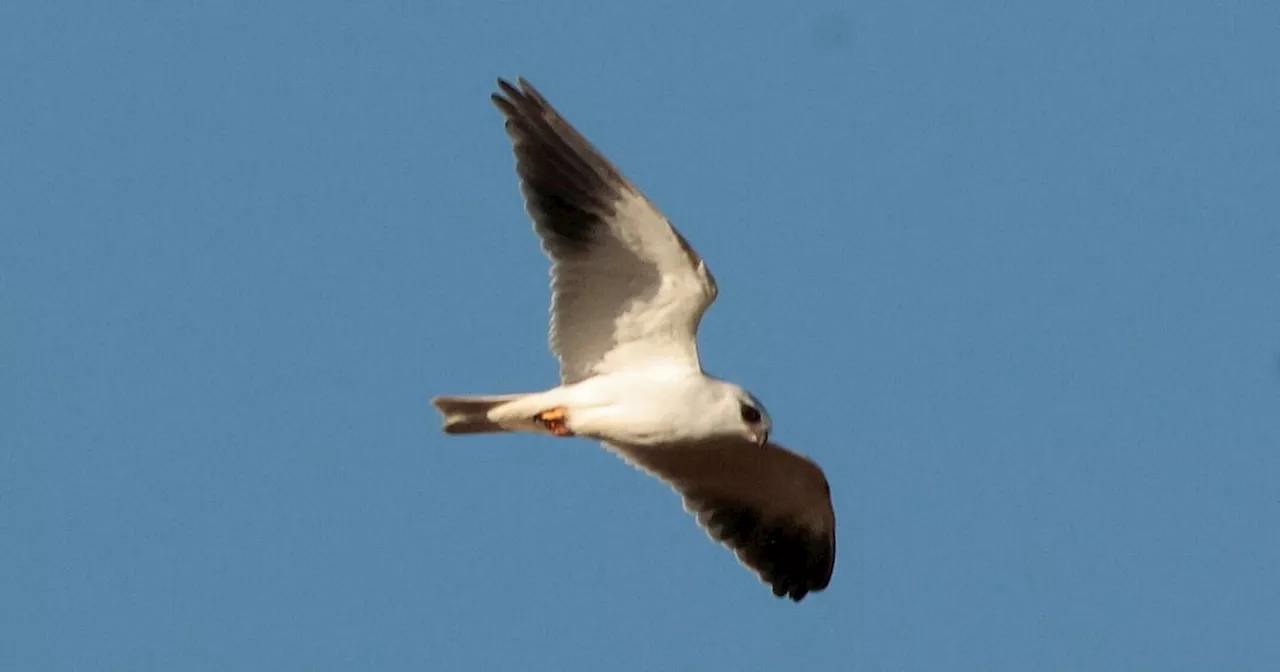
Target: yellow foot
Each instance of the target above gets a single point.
(553, 420)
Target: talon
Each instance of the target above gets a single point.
(553, 421)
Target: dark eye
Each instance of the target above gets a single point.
(750, 414)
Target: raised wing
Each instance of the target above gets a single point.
(626, 288)
(768, 505)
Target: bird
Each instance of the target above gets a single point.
(628, 292)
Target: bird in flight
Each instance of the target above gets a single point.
(627, 295)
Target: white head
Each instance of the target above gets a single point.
(745, 415)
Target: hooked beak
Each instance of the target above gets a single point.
(762, 438)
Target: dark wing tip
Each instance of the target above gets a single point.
(568, 185)
(792, 558)
(524, 105)
(509, 92)
(531, 118)
(508, 99)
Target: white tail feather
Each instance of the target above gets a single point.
(473, 415)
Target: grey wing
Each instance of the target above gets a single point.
(770, 506)
(626, 287)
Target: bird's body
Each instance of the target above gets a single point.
(649, 406)
(628, 293)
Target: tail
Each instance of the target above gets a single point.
(470, 415)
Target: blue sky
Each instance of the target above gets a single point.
(1009, 273)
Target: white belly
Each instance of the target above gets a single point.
(637, 409)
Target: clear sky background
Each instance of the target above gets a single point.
(1010, 274)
